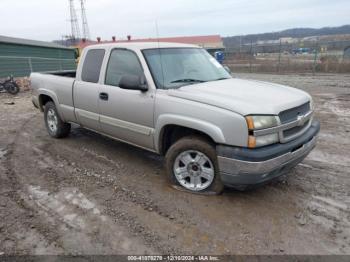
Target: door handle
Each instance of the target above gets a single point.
(104, 96)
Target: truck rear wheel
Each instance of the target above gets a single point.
(192, 163)
(54, 124)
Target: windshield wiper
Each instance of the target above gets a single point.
(222, 78)
(188, 80)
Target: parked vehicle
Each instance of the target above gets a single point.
(302, 51)
(219, 56)
(9, 86)
(178, 101)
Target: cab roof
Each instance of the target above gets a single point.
(141, 45)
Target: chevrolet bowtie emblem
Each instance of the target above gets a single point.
(301, 120)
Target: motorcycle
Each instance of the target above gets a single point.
(9, 86)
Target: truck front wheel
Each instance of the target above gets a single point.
(191, 163)
(54, 124)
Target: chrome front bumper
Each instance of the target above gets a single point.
(258, 166)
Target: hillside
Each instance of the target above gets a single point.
(294, 32)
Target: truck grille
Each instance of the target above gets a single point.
(294, 130)
(293, 113)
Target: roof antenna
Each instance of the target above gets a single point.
(160, 54)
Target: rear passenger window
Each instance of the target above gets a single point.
(92, 65)
(121, 63)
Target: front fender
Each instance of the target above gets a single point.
(210, 129)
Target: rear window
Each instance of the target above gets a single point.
(92, 65)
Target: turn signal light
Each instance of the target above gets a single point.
(250, 122)
(251, 142)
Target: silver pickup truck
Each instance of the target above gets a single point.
(178, 101)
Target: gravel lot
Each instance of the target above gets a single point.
(88, 194)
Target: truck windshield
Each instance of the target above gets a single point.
(176, 67)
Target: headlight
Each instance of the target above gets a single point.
(261, 122)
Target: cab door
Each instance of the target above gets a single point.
(86, 90)
(126, 114)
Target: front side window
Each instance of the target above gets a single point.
(92, 65)
(176, 67)
(122, 63)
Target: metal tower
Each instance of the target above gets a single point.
(86, 31)
(74, 21)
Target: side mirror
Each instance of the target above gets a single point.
(133, 82)
(228, 70)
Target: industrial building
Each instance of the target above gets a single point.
(19, 57)
(210, 42)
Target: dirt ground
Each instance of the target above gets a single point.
(88, 194)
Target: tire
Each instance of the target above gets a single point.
(11, 87)
(54, 124)
(187, 159)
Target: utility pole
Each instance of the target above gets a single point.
(86, 31)
(75, 31)
(251, 56)
(279, 57)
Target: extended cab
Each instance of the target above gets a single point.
(178, 101)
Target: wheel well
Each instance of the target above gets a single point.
(172, 133)
(43, 99)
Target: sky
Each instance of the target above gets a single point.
(49, 19)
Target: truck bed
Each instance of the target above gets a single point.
(71, 74)
(59, 86)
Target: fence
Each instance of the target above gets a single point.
(23, 66)
(315, 57)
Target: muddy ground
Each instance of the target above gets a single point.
(88, 194)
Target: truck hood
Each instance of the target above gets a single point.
(244, 97)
